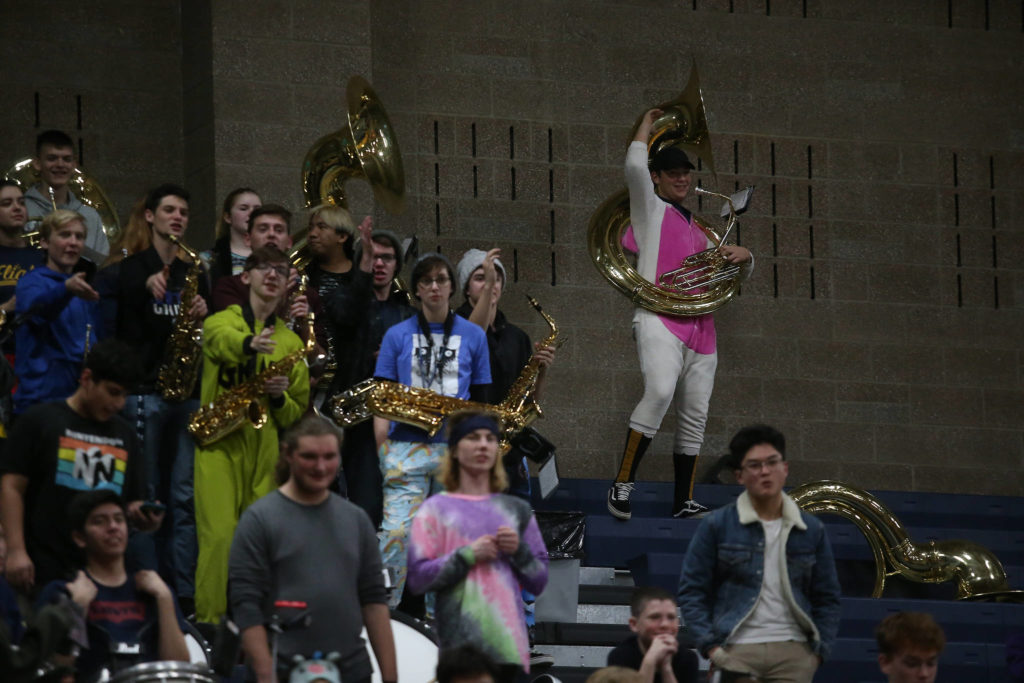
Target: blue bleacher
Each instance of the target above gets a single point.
(652, 546)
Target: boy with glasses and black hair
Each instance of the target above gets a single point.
(759, 591)
(238, 469)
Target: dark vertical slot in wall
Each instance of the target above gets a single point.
(956, 210)
(512, 156)
(472, 151)
(552, 219)
(552, 269)
(36, 104)
(735, 156)
(767, 8)
(78, 111)
(515, 265)
(775, 240)
(812, 282)
(995, 253)
(732, 7)
(987, 15)
(959, 260)
(437, 181)
(992, 186)
(551, 185)
(995, 291)
(772, 148)
(810, 176)
(810, 241)
(949, 13)
(773, 199)
(551, 146)
(959, 290)
(805, 9)
(775, 280)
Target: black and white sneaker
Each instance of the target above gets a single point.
(618, 499)
(690, 509)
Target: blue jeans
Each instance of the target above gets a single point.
(168, 453)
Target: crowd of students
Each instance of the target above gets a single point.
(94, 329)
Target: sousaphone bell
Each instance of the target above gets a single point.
(365, 147)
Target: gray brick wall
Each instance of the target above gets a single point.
(881, 329)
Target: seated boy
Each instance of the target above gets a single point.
(909, 645)
(654, 650)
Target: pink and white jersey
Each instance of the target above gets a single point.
(661, 236)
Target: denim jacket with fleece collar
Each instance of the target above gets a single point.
(723, 572)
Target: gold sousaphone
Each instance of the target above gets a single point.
(702, 283)
(365, 147)
(83, 185)
(976, 571)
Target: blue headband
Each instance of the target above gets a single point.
(470, 425)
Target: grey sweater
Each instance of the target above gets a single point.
(325, 555)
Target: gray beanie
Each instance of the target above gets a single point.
(471, 260)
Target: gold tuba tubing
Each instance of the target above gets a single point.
(975, 569)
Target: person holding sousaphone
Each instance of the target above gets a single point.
(677, 353)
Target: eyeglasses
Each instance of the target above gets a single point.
(283, 271)
(756, 466)
(386, 258)
(440, 281)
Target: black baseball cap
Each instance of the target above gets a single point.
(669, 158)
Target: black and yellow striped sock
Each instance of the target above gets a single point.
(636, 446)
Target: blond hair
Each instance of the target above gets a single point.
(449, 470)
(58, 219)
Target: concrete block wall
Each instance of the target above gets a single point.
(881, 328)
(107, 73)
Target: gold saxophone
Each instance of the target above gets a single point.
(521, 401)
(427, 409)
(183, 354)
(978, 573)
(242, 403)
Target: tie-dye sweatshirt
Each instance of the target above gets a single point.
(477, 603)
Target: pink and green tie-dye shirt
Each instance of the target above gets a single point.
(477, 603)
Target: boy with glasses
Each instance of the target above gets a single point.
(759, 591)
(436, 350)
(238, 469)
